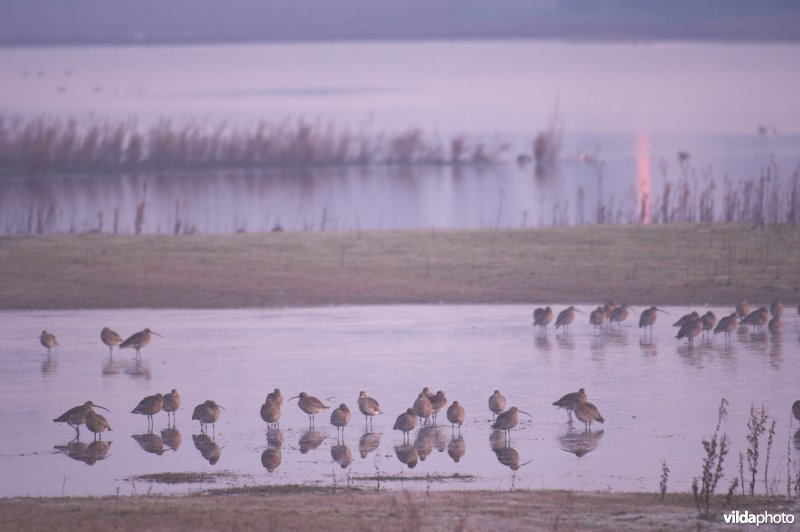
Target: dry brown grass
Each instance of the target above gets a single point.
(665, 264)
(317, 509)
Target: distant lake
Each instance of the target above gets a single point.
(633, 107)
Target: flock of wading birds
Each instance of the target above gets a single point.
(427, 404)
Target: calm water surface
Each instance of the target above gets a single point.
(630, 106)
(659, 398)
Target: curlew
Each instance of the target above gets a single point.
(742, 308)
(609, 307)
(542, 317)
(508, 420)
(310, 405)
(97, 424)
(587, 413)
(172, 402)
(438, 402)
(110, 338)
(138, 341)
(758, 318)
(776, 308)
(368, 406)
(76, 416)
(270, 412)
(775, 326)
(708, 321)
(568, 401)
(455, 415)
(648, 318)
(149, 406)
(620, 314)
(406, 422)
(276, 396)
(686, 318)
(727, 325)
(207, 412)
(690, 330)
(497, 403)
(598, 317)
(566, 316)
(340, 418)
(48, 340)
(422, 407)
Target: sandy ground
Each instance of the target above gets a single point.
(640, 265)
(317, 509)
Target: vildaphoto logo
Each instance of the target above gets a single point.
(765, 518)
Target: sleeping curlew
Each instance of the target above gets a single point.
(586, 412)
(48, 340)
(76, 416)
(149, 406)
(568, 401)
(406, 422)
(110, 338)
(368, 406)
(497, 403)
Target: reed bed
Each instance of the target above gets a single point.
(48, 145)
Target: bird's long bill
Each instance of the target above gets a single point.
(104, 408)
(579, 310)
(524, 412)
(222, 407)
(664, 311)
(295, 397)
(526, 463)
(157, 334)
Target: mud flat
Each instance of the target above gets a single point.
(665, 264)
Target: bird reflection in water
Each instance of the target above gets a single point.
(580, 443)
(88, 454)
(110, 368)
(271, 457)
(369, 442)
(341, 455)
(407, 454)
(423, 443)
(310, 440)
(171, 438)
(797, 440)
(49, 365)
(506, 455)
(151, 443)
(456, 448)
(208, 448)
(138, 370)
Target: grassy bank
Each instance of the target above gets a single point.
(664, 264)
(316, 509)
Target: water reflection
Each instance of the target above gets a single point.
(49, 365)
(271, 458)
(151, 443)
(423, 443)
(648, 348)
(580, 443)
(138, 370)
(341, 455)
(310, 440)
(110, 368)
(89, 454)
(407, 454)
(171, 438)
(456, 448)
(208, 448)
(275, 438)
(797, 440)
(368, 442)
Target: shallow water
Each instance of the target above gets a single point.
(659, 398)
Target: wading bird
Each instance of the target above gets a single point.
(758, 318)
(620, 314)
(455, 415)
(438, 402)
(406, 422)
(690, 330)
(149, 406)
(776, 308)
(97, 424)
(48, 340)
(138, 341)
(775, 326)
(648, 318)
(598, 317)
(340, 418)
(310, 405)
(568, 401)
(76, 416)
(270, 412)
(708, 320)
(110, 338)
(542, 317)
(497, 403)
(566, 316)
(205, 413)
(276, 397)
(742, 308)
(508, 420)
(686, 318)
(172, 402)
(586, 413)
(422, 407)
(727, 325)
(368, 406)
